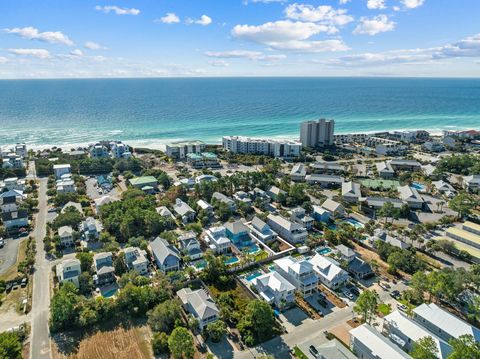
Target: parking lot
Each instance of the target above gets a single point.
(8, 254)
(93, 191)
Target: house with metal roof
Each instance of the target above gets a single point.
(384, 170)
(275, 289)
(200, 305)
(220, 197)
(329, 271)
(166, 256)
(411, 197)
(186, 213)
(335, 209)
(298, 172)
(351, 191)
(68, 270)
(261, 230)
(136, 259)
(189, 245)
(299, 273)
(290, 231)
(217, 240)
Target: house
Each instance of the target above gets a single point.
(275, 289)
(299, 216)
(357, 267)
(217, 240)
(105, 273)
(471, 183)
(147, 184)
(220, 197)
(99, 202)
(370, 205)
(13, 183)
(367, 343)
(434, 146)
(290, 231)
(185, 182)
(120, 150)
(66, 236)
(381, 235)
(329, 271)
(385, 170)
(238, 233)
(166, 255)
(205, 178)
(199, 304)
(262, 231)
(334, 349)
(298, 172)
(91, 228)
(411, 197)
(399, 164)
(243, 197)
(351, 191)
(68, 270)
(405, 333)
(186, 213)
(324, 180)
(442, 323)
(136, 259)
(428, 170)
(450, 142)
(443, 187)
(464, 235)
(105, 182)
(299, 273)
(327, 168)
(335, 209)
(165, 212)
(98, 150)
(71, 204)
(320, 214)
(65, 184)
(15, 220)
(61, 169)
(189, 245)
(8, 203)
(273, 192)
(205, 206)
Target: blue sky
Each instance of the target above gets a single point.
(155, 38)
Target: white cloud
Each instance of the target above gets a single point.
(118, 10)
(219, 63)
(376, 4)
(204, 20)
(169, 18)
(374, 25)
(324, 14)
(76, 52)
(38, 53)
(343, 2)
(289, 35)
(3, 60)
(94, 46)
(245, 54)
(412, 4)
(32, 33)
(468, 47)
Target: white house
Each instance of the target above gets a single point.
(220, 197)
(205, 206)
(335, 209)
(298, 172)
(299, 216)
(275, 289)
(290, 231)
(411, 196)
(351, 191)
(385, 170)
(66, 236)
(61, 169)
(300, 273)
(200, 305)
(217, 240)
(261, 231)
(136, 259)
(68, 271)
(329, 271)
(471, 183)
(186, 212)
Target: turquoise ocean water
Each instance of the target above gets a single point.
(154, 111)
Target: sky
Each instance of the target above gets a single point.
(173, 38)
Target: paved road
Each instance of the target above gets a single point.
(40, 342)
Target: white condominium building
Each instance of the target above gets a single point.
(260, 146)
(317, 133)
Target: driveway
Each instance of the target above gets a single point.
(40, 347)
(9, 253)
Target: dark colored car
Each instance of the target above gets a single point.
(395, 294)
(355, 291)
(313, 351)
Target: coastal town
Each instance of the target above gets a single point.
(327, 246)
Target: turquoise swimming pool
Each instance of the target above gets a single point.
(110, 293)
(324, 251)
(418, 186)
(354, 223)
(231, 260)
(252, 276)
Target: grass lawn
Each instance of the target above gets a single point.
(121, 342)
(385, 309)
(298, 353)
(12, 272)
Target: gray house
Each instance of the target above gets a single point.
(166, 255)
(200, 305)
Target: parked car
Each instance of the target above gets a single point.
(24, 282)
(2, 242)
(355, 291)
(395, 294)
(348, 295)
(313, 351)
(402, 307)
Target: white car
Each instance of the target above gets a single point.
(402, 307)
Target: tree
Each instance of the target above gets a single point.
(366, 305)
(162, 318)
(85, 282)
(180, 344)
(160, 343)
(386, 211)
(465, 347)
(10, 346)
(216, 330)
(86, 261)
(463, 204)
(425, 348)
(64, 307)
(257, 323)
(70, 217)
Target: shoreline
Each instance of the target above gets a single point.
(160, 144)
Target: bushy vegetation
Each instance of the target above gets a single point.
(464, 164)
(399, 259)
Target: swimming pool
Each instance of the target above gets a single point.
(252, 276)
(110, 293)
(418, 186)
(324, 250)
(200, 264)
(354, 223)
(231, 260)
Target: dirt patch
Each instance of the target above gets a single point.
(342, 333)
(336, 301)
(122, 342)
(354, 322)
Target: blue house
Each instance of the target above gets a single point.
(237, 232)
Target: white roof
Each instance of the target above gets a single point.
(449, 323)
(408, 193)
(286, 263)
(203, 204)
(332, 206)
(61, 166)
(380, 346)
(351, 189)
(416, 332)
(327, 268)
(274, 281)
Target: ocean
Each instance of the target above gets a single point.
(151, 112)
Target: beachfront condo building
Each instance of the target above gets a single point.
(180, 150)
(260, 146)
(316, 134)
